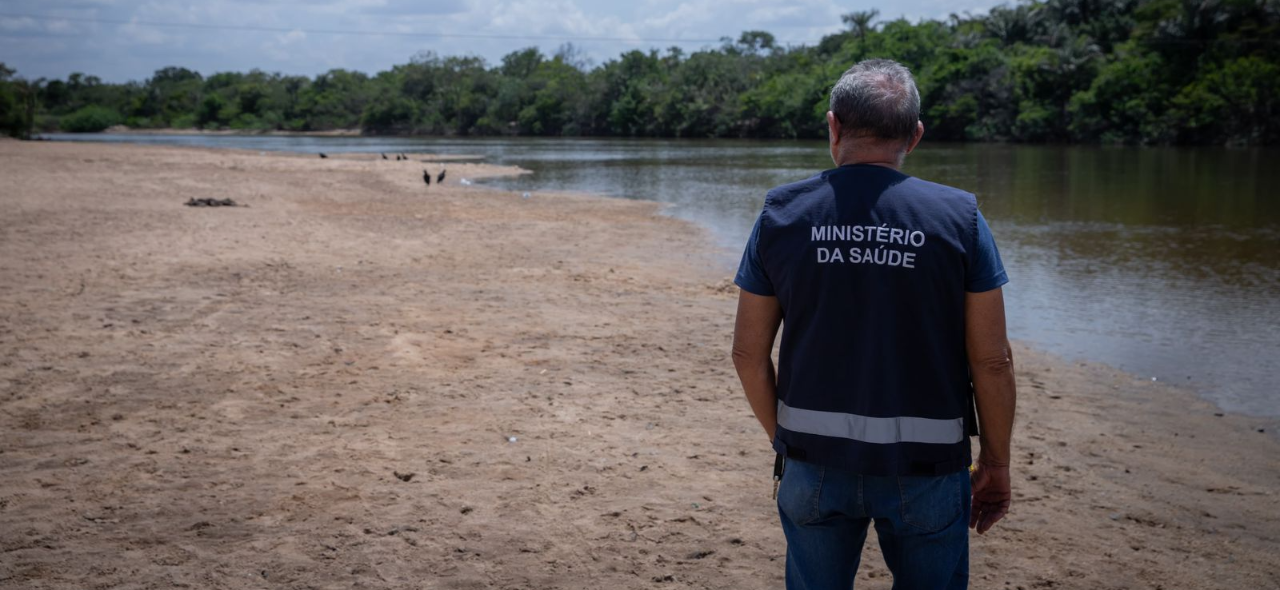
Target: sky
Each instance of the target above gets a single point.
(122, 40)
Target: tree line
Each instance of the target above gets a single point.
(1109, 71)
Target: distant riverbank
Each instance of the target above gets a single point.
(193, 131)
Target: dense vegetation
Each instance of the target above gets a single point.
(1131, 71)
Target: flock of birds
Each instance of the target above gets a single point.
(426, 178)
(426, 175)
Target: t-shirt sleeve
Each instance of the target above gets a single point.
(986, 271)
(751, 275)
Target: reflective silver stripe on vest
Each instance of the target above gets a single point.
(871, 430)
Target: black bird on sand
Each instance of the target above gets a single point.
(426, 177)
(440, 179)
(384, 156)
(322, 155)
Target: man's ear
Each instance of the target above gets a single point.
(915, 139)
(833, 128)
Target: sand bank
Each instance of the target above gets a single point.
(360, 381)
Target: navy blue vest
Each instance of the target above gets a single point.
(869, 266)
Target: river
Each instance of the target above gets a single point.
(1163, 262)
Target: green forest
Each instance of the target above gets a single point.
(1089, 71)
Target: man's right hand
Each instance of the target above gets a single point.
(991, 496)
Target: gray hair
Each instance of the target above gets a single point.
(877, 98)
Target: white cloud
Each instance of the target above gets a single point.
(12, 24)
(558, 17)
(409, 7)
(143, 34)
(294, 36)
(62, 27)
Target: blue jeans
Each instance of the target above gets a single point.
(922, 523)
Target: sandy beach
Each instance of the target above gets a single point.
(360, 381)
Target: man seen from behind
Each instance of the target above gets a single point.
(893, 351)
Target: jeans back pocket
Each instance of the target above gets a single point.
(932, 503)
(799, 491)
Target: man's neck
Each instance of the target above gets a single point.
(887, 164)
(886, 158)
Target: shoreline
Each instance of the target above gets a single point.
(125, 130)
(417, 157)
(197, 395)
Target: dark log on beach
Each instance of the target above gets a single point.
(208, 202)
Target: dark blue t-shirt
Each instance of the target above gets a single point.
(986, 274)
